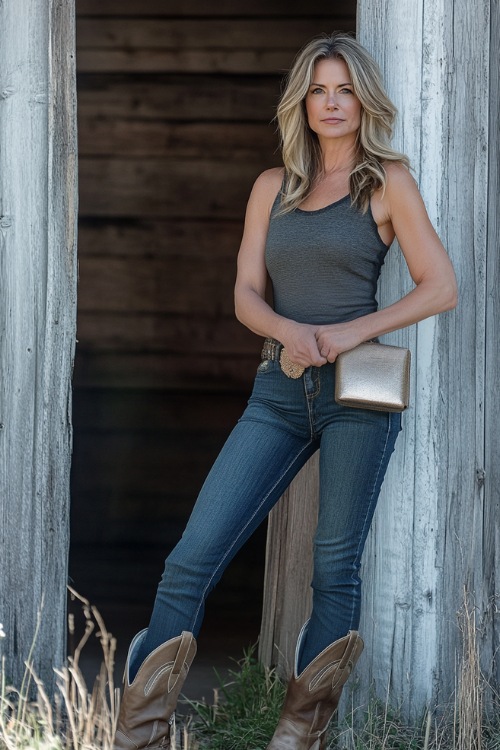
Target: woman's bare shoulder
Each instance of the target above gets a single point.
(400, 189)
(270, 180)
(266, 187)
(399, 177)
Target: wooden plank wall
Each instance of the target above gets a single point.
(175, 110)
(176, 101)
(38, 271)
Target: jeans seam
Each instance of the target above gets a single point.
(231, 547)
(310, 397)
(309, 413)
(374, 484)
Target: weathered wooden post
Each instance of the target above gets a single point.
(37, 324)
(437, 522)
(434, 533)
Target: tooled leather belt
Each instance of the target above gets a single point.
(273, 350)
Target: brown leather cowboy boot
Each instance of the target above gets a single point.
(312, 698)
(148, 702)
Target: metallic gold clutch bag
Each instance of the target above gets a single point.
(373, 376)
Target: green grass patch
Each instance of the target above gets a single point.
(245, 711)
(247, 707)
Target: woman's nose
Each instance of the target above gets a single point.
(331, 101)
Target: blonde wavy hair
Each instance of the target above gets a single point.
(299, 144)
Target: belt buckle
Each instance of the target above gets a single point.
(290, 369)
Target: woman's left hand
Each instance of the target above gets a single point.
(336, 338)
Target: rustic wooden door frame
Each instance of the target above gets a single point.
(38, 174)
(436, 529)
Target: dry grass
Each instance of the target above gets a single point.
(79, 719)
(462, 725)
(469, 704)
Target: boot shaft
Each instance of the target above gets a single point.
(149, 701)
(313, 696)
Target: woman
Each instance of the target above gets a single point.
(319, 228)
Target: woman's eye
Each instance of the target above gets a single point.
(316, 91)
(346, 91)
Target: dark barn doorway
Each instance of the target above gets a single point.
(175, 107)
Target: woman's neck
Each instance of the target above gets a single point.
(338, 156)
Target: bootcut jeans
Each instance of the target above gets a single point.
(285, 422)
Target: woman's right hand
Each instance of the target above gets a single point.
(299, 340)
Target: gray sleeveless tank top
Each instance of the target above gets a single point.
(324, 264)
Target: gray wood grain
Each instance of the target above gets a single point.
(491, 520)
(37, 320)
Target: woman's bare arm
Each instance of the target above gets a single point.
(251, 308)
(430, 268)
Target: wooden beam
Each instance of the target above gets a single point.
(37, 316)
(241, 141)
(184, 61)
(203, 35)
(171, 8)
(427, 539)
(287, 587)
(155, 285)
(164, 96)
(159, 238)
(158, 188)
(491, 477)
(208, 45)
(156, 332)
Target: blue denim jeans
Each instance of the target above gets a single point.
(285, 422)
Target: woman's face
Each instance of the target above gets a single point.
(333, 110)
